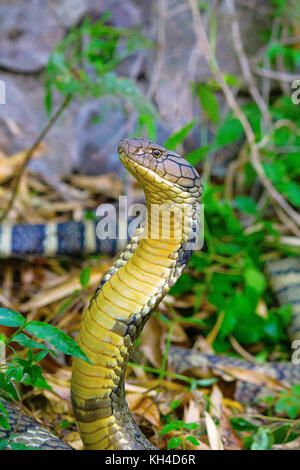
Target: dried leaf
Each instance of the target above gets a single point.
(109, 184)
(213, 435)
(254, 377)
(10, 165)
(232, 441)
(73, 439)
(216, 402)
(150, 343)
(193, 409)
(145, 407)
(48, 296)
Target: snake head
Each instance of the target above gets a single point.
(159, 167)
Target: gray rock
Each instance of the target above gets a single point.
(28, 34)
(30, 30)
(23, 117)
(96, 131)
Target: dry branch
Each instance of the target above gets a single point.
(204, 46)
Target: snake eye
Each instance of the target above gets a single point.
(156, 153)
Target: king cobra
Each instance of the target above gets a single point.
(131, 289)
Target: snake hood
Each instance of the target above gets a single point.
(162, 168)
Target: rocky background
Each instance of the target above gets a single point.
(30, 30)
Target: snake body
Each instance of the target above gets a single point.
(132, 288)
(130, 291)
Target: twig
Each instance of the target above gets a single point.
(289, 41)
(239, 47)
(275, 75)
(287, 221)
(239, 349)
(266, 82)
(256, 7)
(20, 411)
(161, 26)
(231, 171)
(31, 151)
(280, 58)
(203, 44)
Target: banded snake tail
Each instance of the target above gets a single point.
(130, 290)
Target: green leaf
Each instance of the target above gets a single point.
(275, 170)
(204, 382)
(273, 328)
(174, 442)
(6, 388)
(4, 422)
(209, 102)
(191, 426)
(40, 355)
(292, 163)
(242, 424)
(174, 425)
(193, 440)
(293, 411)
(229, 132)
(174, 404)
(15, 374)
(245, 204)
(145, 120)
(48, 98)
(19, 446)
(255, 279)
(262, 440)
(292, 191)
(84, 276)
(3, 410)
(288, 404)
(3, 443)
(196, 155)
(176, 138)
(26, 342)
(59, 339)
(194, 321)
(284, 434)
(9, 317)
(296, 389)
(249, 329)
(231, 80)
(285, 314)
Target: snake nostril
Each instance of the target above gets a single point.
(123, 145)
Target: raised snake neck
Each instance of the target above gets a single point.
(130, 291)
(142, 275)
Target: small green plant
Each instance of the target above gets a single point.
(23, 367)
(181, 427)
(286, 402)
(289, 402)
(84, 63)
(264, 437)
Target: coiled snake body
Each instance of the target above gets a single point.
(146, 269)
